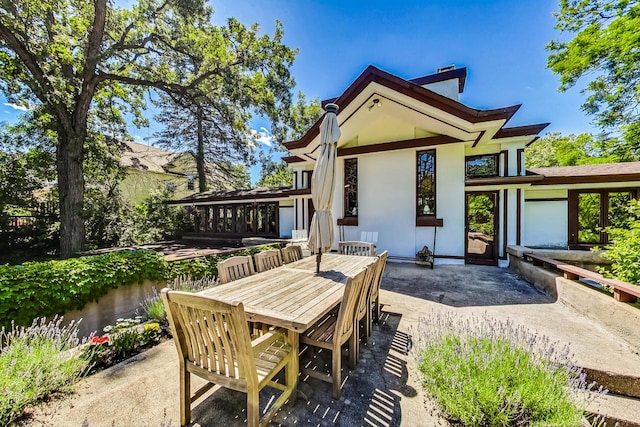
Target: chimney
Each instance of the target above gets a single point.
(447, 68)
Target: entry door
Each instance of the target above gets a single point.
(481, 213)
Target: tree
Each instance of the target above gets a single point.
(605, 44)
(301, 117)
(86, 64)
(555, 149)
(211, 120)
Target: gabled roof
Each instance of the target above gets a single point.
(145, 157)
(411, 89)
(456, 73)
(606, 172)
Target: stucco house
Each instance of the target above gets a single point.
(420, 168)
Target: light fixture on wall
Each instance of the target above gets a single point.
(375, 103)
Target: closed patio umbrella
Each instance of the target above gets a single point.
(322, 183)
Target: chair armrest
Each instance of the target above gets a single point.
(264, 341)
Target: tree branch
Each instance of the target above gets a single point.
(43, 86)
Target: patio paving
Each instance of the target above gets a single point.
(382, 391)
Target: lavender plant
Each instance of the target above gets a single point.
(488, 372)
(35, 363)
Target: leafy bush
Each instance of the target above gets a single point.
(624, 249)
(36, 362)
(484, 372)
(41, 289)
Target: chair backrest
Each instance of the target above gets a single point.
(235, 268)
(299, 235)
(291, 254)
(211, 334)
(266, 260)
(369, 236)
(369, 278)
(377, 279)
(348, 306)
(356, 248)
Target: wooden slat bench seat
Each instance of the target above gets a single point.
(622, 291)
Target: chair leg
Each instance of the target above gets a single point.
(336, 357)
(185, 395)
(377, 310)
(253, 408)
(354, 346)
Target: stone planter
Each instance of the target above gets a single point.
(122, 302)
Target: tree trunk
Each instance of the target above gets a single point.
(69, 158)
(202, 173)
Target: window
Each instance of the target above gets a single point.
(426, 189)
(190, 183)
(481, 166)
(592, 210)
(351, 187)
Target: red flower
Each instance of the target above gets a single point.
(95, 340)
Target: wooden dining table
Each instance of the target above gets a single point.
(293, 296)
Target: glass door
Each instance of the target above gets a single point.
(481, 246)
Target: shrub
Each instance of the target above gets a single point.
(35, 363)
(42, 289)
(624, 249)
(485, 372)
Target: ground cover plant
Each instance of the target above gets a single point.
(487, 372)
(35, 363)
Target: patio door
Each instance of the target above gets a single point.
(481, 228)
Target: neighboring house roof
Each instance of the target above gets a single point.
(145, 157)
(606, 172)
(246, 194)
(414, 90)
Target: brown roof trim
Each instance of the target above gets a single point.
(520, 130)
(412, 90)
(398, 145)
(503, 180)
(218, 196)
(592, 179)
(298, 192)
(458, 73)
(292, 159)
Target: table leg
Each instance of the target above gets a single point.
(293, 369)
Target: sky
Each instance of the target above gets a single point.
(501, 42)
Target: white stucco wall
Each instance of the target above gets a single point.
(386, 202)
(448, 88)
(545, 223)
(286, 212)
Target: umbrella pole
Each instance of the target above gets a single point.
(318, 257)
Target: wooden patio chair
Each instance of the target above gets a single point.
(363, 310)
(212, 339)
(374, 296)
(357, 248)
(332, 331)
(267, 260)
(291, 254)
(235, 268)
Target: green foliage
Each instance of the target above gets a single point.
(39, 289)
(605, 44)
(481, 214)
(624, 249)
(153, 220)
(301, 117)
(86, 66)
(36, 362)
(485, 372)
(555, 149)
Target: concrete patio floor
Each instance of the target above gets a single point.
(382, 391)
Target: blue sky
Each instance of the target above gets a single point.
(500, 42)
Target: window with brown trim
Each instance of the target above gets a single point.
(350, 187)
(243, 219)
(426, 183)
(590, 211)
(482, 166)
